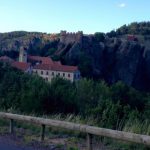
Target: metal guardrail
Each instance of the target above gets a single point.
(89, 130)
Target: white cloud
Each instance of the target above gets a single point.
(122, 5)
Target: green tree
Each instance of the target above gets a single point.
(99, 36)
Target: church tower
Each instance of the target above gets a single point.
(22, 55)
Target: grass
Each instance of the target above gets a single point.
(137, 126)
(72, 148)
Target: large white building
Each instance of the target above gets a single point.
(45, 67)
(48, 71)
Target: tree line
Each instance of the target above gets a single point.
(135, 28)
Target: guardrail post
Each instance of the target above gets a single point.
(89, 141)
(11, 127)
(42, 132)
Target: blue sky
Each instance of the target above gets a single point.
(90, 16)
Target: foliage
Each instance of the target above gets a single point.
(61, 93)
(85, 65)
(100, 37)
(109, 106)
(135, 28)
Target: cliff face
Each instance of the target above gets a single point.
(111, 59)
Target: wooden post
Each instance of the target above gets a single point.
(11, 127)
(42, 132)
(89, 141)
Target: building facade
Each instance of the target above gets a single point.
(48, 69)
(45, 67)
(48, 72)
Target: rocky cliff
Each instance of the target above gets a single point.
(98, 56)
(113, 59)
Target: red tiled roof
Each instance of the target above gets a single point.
(48, 64)
(55, 67)
(43, 67)
(44, 60)
(57, 62)
(6, 59)
(65, 68)
(21, 65)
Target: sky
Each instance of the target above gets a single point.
(89, 16)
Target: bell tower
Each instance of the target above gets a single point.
(22, 55)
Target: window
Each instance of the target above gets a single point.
(41, 72)
(63, 74)
(52, 73)
(69, 75)
(58, 74)
(47, 73)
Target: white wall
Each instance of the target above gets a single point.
(72, 76)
